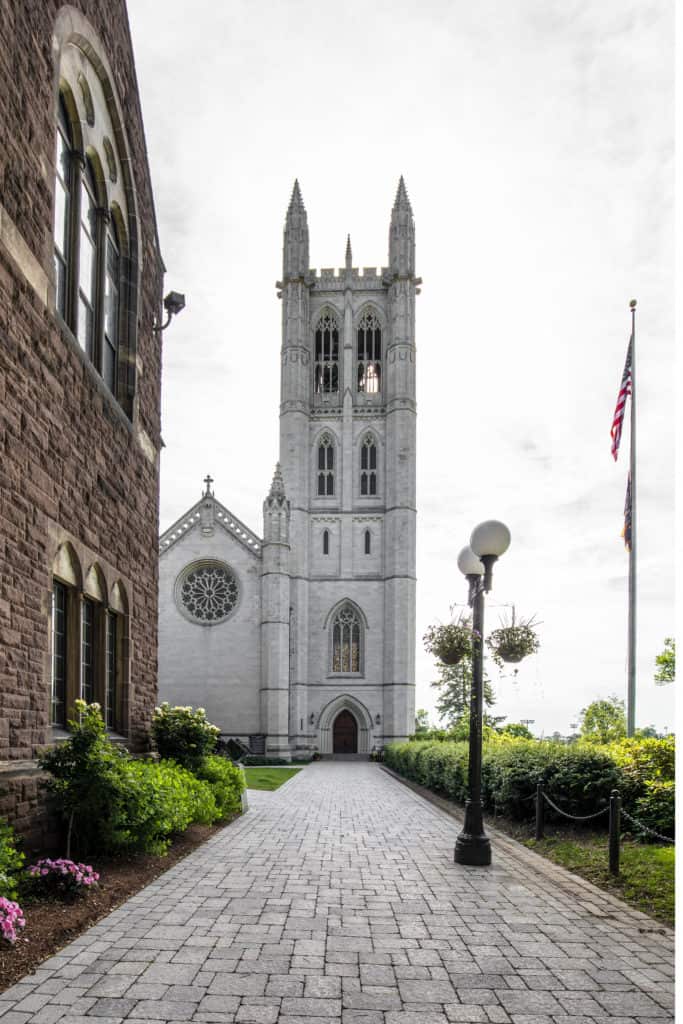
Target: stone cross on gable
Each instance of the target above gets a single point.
(208, 480)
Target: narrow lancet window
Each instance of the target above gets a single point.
(59, 662)
(326, 355)
(325, 466)
(369, 355)
(63, 202)
(326, 542)
(346, 641)
(87, 263)
(367, 542)
(368, 466)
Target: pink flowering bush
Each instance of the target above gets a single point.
(11, 919)
(64, 875)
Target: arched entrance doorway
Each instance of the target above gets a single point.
(345, 734)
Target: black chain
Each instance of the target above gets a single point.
(574, 817)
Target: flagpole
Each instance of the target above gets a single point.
(631, 691)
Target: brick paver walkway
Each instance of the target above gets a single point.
(336, 897)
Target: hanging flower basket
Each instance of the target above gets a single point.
(511, 643)
(450, 643)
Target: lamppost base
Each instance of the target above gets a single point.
(471, 849)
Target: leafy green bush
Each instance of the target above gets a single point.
(226, 781)
(113, 802)
(11, 861)
(183, 734)
(656, 808)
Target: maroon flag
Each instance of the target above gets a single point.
(624, 391)
(628, 517)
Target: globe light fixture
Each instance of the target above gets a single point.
(489, 541)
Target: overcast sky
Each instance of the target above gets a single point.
(536, 140)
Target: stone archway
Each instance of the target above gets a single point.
(329, 716)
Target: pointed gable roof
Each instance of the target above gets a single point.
(222, 516)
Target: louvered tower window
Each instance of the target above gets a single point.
(369, 355)
(326, 355)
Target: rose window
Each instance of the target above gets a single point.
(208, 593)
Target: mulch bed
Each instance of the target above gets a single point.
(52, 924)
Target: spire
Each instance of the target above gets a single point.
(277, 488)
(402, 196)
(349, 256)
(295, 249)
(402, 234)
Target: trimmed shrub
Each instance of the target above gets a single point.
(11, 861)
(226, 781)
(184, 735)
(113, 802)
(656, 808)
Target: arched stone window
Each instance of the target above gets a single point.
(369, 372)
(368, 466)
(326, 365)
(325, 466)
(326, 542)
(94, 220)
(368, 542)
(347, 641)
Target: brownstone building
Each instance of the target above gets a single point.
(80, 374)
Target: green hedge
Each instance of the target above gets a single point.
(578, 778)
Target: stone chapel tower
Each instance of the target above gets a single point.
(347, 452)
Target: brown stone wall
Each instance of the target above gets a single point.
(71, 463)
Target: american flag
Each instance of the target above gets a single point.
(624, 392)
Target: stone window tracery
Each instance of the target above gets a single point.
(208, 593)
(347, 636)
(368, 466)
(325, 466)
(326, 366)
(369, 372)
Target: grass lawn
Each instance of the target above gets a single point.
(264, 777)
(646, 878)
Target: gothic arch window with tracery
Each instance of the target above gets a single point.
(95, 240)
(325, 466)
(369, 354)
(207, 592)
(326, 365)
(368, 466)
(347, 641)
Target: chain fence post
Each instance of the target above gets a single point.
(540, 810)
(614, 831)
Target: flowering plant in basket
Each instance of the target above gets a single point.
(514, 641)
(64, 875)
(11, 919)
(450, 643)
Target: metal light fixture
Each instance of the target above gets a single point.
(311, 718)
(378, 718)
(488, 542)
(174, 303)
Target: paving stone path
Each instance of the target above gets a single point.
(336, 898)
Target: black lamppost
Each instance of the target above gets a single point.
(488, 542)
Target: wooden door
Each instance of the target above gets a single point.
(345, 734)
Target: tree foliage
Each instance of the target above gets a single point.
(421, 721)
(604, 721)
(455, 687)
(666, 663)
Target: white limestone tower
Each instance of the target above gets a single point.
(347, 451)
(275, 603)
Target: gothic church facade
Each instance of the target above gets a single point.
(304, 639)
